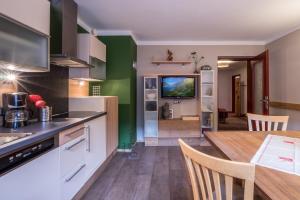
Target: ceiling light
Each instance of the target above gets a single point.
(225, 61)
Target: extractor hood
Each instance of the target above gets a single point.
(63, 28)
(68, 61)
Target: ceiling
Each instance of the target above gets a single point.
(203, 21)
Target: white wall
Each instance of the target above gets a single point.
(181, 52)
(284, 55)
(225, 85)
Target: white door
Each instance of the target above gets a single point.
(37, 179)
(260, 84)
(96, 150)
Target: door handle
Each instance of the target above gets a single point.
(73, 145)
(88, 131)
(75, 173)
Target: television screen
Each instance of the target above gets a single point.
(178, 87)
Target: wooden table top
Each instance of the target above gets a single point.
(242, 145)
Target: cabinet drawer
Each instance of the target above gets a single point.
(72, 182)
(71, 134)
(72, 154)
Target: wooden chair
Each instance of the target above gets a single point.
(267, 123)
(199, 167)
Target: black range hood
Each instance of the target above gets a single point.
(63, 31)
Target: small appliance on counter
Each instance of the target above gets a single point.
(15, 108)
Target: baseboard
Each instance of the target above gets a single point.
(124, 150)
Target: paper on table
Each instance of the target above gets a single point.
(279, 152)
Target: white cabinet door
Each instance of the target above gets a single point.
(90, 46)
(32, 13)
(98, 49)
(96, 153)
(73, 166)
(37, 179)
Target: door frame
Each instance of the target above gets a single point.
(249, 76)
(233, 92)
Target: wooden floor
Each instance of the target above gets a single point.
(157, 173)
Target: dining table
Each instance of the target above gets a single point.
(242, 146)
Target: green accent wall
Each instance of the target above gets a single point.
(121, 81)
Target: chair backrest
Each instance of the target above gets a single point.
(201, 165)
(267, 123)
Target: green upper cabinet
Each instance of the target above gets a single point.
(121, 81)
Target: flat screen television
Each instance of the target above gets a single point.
(178, 87)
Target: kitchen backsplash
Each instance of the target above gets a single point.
(52, 86)
(6, 87)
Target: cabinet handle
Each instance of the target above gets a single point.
(89, 138)
(75, 173)
(73, 145)
(74, 131)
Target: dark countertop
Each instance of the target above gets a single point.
(44, 130)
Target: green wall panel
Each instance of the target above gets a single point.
(120, 88)
(121, 81)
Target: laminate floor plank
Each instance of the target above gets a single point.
(180, 187)
(144, 174)
(103, 184)
(160, 188)
(155, 173)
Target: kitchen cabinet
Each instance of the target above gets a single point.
(90, 46)
(96, 153)
(37, 179)
(93, 51)
(73, 165)
(31, 13)
(22, 48)
(110, 104)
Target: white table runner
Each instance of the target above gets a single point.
(279, 152)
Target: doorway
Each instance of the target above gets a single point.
(232, 95)
(249, 79)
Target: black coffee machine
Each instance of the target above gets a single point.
(15, 109)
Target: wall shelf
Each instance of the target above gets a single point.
(171, 62)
